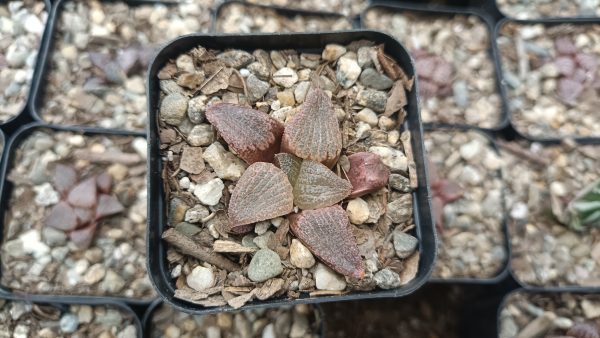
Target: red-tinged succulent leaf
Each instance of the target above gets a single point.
(62, 217)
(318, 187)
(326, 233)
(565, 65)
(83, 237)
(367, 173)
(263, 192)
(314, 133)
(108, 205)
(252, 134)
(64, 178)
(290, 165)
(444, 71)
(569, 90)
(449, 191)
(589, 62)
(84, 216)
(428, 89)
(104, 183)
(565, 46)
(425, 66)
(83, 194)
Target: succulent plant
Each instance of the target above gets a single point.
(83, 204)
(435, 74)
(443, 191)
(577, 70)
(584, 209)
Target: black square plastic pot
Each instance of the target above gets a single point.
(26, 114)
(504, 270)
(306, 42)
(435, 10)
(5, 192)
(546, 22)
(149, 316)
(65, 301)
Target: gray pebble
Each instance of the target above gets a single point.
(461, 93)
(387, 279)
(256, 88)
(187, 229)
(236, 58)
(373, 99)
(173, 108)
(196, 109)
(264, 265)
(373, 79)
(53, 237)
(404, 244)
(400, 183)
(69, 323)
(400, 210)
(201, 135)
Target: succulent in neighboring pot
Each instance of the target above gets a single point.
(83, 204)
(584, 209)
(443, 191)
(578, 70)
(435, 75)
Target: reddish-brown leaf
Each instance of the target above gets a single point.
(83, 237)
(587, 61)
(565, 65)
(584, 330)
(569, 90)
(263, 192)
(367, 173)
(84, 216)
(449, 191)
(65, 178)
(62, 217)
(104, 183)
(397, 99)
(252, 134)
(83, 194)
(318, 187)
(314, 133)
(108, 205)
(327, 233)
(565, 46)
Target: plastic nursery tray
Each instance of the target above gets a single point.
(63, 302)
(283, 11)
(494, 4)
(6, 189)
(505, 98)
(434, 10)
(45, 61)
(149, 314)
(503, 272)
(24, 116)
(308, 42)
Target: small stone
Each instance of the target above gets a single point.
(248, 241)
(236, 58)
(210, 193)
(269, 331)
(373, 79)
(404, 244)
(368, 116)
(85, 314)
(387, 279)
(172, 331)
(386, 123)
(262, 227)
(177, 210)
(112, 282)
(94, 274)
(21, 331)
(45, 195)
(400, 183)
(196, 213)
(225, 164)
(173, 108)
(69, 323)
(590, 308)
(201, 135)
(461, 93)
(129, 332)
(326, 279)
(400, 210)
(285, 77)
(300, 256)
(188, 229)
(17, 309)
(140, 146)
(260, 70)
(185, 63)
(393, 158)
(286, 98)
(265, 264)
(469, 151)
(300, 326)
(256, 88)
(191, 160)
(372, 99)
(53, 237)
(358, 211)
(264, 240)
(332, 52)
(196, 109)
(301, 90)
(201, 278)
(347, 72)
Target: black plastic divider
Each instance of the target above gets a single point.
(5, 191)
(149, 315)
(45, 62)
(505, 98)
(64, 301)
(283, 11)
(23, 117)
(436, 10)
(503, 273)
(157, 265)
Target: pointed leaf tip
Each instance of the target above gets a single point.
(252, 134)
(263, 192)
(318, 187)
(326, 233)
(314, 133)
